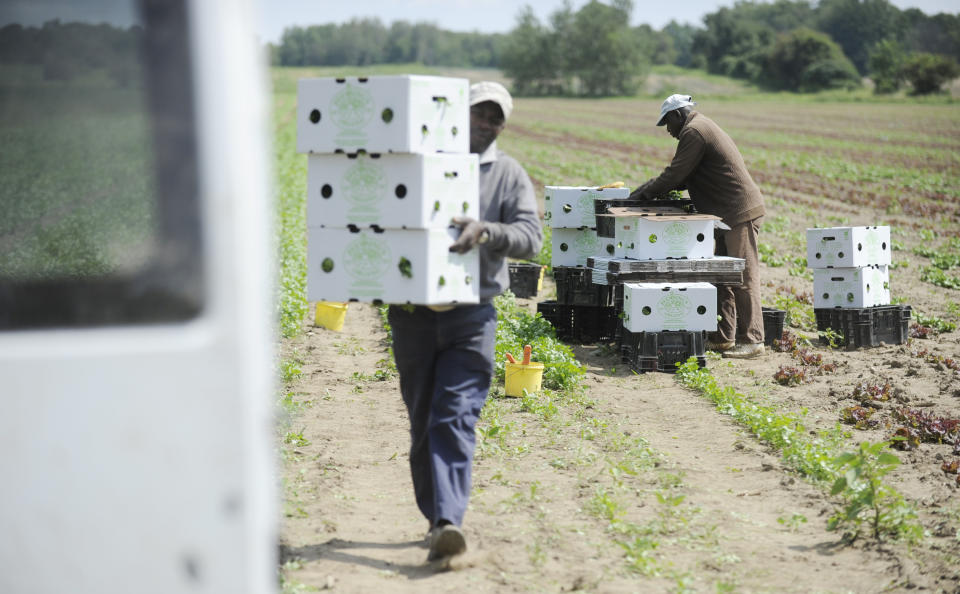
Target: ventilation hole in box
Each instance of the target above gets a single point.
(859, 247)
(567, 208)
(700, 237)
(652, 238)
(836, 278)
(466, 206)
(353, 228)
(436, 205)
(826, 296)
(619, 244)
(454, 131)
(341, 80)
(327, 265)
(362, 79)
(828, 239)
(400, 191)
(849, 297)
(386, 115)
(406, 268)
(868, 287)
(631, 246)
(610, 248)
(646, 310)
(377, 228)
(840, 255)
(424, 130)
(701, 309)
(883, 245)
(886, 286)
(441, 281)
(326, 191)
(563, 247)
(467, 279)
(315, 116)
(377, 302)
(547, 216)
(817, 256)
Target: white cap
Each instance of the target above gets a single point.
(492, 91)
(674, 102)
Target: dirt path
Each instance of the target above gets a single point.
(635, 485)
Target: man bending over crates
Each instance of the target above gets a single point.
(445, 353)
(709, 165)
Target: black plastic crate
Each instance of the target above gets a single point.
(661, 351)
(525, 279)
(575, 287)
(592, 324)
(772, 324)
(559, 315)
(865, 326)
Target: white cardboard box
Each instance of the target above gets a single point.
(572, 247)
(571, 207)
(851, 287)
(649, 236)
(848, 247)
(401, 114)
(653, 307)
(395, 190)
(393, 266)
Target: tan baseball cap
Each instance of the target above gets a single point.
(492, 91)
(674, 102)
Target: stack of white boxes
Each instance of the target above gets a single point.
(569, 211)
(388, 167)
(850, 266)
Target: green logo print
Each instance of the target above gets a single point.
(366, 259)
(587, 244)
(674, 308)
(587, 216)
(351, 110)
(677, 237)
(364, 186)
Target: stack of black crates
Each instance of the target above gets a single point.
(583, 312)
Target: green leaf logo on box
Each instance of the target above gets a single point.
(872, 246)
(677, 237)
(674, 308)
(351, 110)
(587, 215)
(366, 259)
(586, 244)
(364, 186)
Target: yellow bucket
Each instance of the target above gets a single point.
(330, 315)
(540, 280)
(520, 377)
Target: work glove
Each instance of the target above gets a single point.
(640, 193)
(472, 232)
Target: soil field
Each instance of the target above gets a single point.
(639, 483)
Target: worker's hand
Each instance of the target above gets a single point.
(472, 232)
(640, 193)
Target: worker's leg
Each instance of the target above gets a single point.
(741, 242)
(726, 303)
(463, 371)
(414, 350)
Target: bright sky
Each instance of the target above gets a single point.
(491, 16)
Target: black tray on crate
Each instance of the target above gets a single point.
(575, 287)
(525, 279)
(606, 226)
(581, 324)
(865, 326)
(772, 324)
(661, 351)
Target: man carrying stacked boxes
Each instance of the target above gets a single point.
(851, 285)
(404, 231)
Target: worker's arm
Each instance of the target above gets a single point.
(690, 149)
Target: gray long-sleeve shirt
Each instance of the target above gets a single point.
(509, 206)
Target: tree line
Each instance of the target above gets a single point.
(790, 45)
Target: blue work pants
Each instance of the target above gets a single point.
(445, 360)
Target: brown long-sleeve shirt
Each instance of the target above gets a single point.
(711, 167)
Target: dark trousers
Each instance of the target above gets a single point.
(741, 315)
(445, 360)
